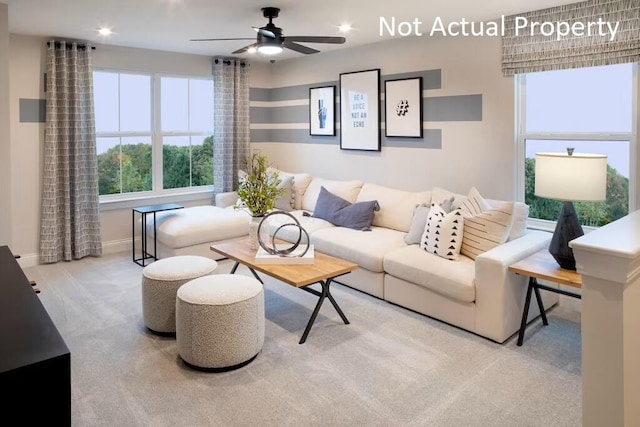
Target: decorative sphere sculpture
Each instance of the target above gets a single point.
(283, 252)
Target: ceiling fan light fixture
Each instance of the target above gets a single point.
(269, 49)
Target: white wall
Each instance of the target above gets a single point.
(477, 154)
(5, 141)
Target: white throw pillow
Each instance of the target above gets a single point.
(485, 227)
(284, 202)
(443, 233)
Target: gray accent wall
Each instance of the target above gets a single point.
(33, 110)
(459, 108)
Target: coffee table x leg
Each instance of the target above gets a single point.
(322, 295)
(326, 293)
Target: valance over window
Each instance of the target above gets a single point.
(526, 52)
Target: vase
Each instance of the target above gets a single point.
(253, 231)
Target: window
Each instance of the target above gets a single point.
(153, 133)
(123, 131)
(589, 109)
(186, 126)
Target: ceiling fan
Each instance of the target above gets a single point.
(271, 41)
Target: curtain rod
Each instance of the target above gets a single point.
(228, 61)
(68, 46)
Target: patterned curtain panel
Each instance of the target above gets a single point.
(526, 52)
(231, 121)
(70, 221)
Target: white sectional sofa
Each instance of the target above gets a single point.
(479, 295)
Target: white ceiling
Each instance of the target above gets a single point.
(169, 24)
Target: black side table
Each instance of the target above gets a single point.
(144, 211)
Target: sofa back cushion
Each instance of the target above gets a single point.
(347, 190)
(396, 206)
(299, 186)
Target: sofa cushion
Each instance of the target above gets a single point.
(487, 230)
(419, 221)
(284, 202)
(443, 233)
(290, 234)
(520, 216)
(300, 181)
(348, 190)
(199, 224)
(396, 206)
(439, 195)
(340, 212)
(454, 279)
(365, 249)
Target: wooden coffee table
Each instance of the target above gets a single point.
(324, 269)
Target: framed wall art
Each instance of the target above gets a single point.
(322, 115)
(360, 110)
(403, 107)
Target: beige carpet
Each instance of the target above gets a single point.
(389, 367)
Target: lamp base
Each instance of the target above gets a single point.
(567, 228)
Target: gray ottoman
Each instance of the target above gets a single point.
(160, 283)
(220, 321)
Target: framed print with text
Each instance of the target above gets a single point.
(322, 114)
(360, 110)
(403, 107)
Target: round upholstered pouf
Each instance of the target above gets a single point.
(160, 283)
(220, 321)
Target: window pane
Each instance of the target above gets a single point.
(200, 105)
(202, 160)
(136, 164)
(105, 99)
(590, 213)
(175, 104)
(594, 99)
(135, 103)
(108, 165)
(176, 161)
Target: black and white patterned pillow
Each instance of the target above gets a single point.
(443, 233)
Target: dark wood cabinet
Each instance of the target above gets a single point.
(35, 363)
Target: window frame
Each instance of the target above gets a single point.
(157, 194)
(521, 135)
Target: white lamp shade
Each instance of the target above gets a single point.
(576, 178)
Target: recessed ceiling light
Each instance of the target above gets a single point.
(105, 31)
(344, 28)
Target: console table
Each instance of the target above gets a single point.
(35, 363)
(144, 211)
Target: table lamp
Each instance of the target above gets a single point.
(570, 177)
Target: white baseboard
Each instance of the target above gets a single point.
(116, 246)
(110, 247)
(29, 260)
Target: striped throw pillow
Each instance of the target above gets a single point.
(486, 230)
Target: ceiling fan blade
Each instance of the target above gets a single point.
(212, 40)
(318, 39)
(244, 49)
(298, 47)
(264, 32)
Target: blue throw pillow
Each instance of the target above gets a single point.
(342, 213)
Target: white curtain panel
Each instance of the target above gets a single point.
(70, 218)
(528, 53)
(231, 121)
